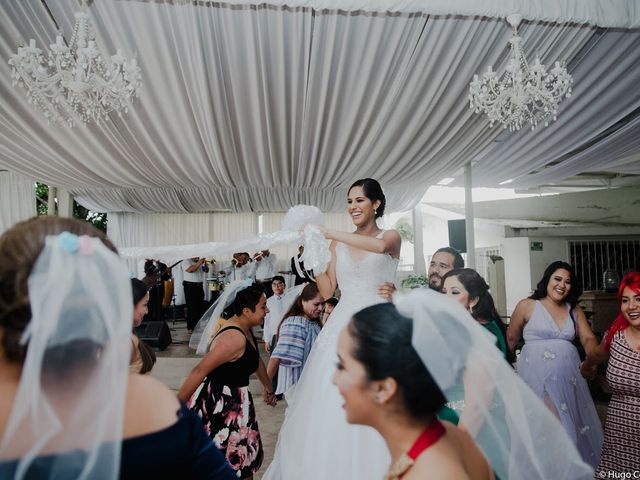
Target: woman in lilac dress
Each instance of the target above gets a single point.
(549, 363)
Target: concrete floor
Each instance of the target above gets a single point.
(174, 364)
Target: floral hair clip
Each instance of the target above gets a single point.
(73, 244)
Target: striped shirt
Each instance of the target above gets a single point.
(297, 335)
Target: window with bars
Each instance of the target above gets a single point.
(591, 258)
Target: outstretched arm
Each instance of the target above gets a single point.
(389, 243)
(227, 347)
(327, 282)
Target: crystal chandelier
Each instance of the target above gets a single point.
(73, 82)
(522, 94)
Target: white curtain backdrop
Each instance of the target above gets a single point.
(259, 108)
(145, 230)
(17, 199)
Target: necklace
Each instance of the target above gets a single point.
(428, 437)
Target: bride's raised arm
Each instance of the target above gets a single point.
(326, 281)
(389, 243)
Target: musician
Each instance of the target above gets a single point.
(297, 267)
(151, 279)
(266, 268)
(194, 275)
(241, 267)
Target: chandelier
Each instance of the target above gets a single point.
(522, 94)
(73, 82)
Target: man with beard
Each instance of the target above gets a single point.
(443, 261)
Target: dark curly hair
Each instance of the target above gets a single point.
(20, 247)
(576, 289)
(373, 191)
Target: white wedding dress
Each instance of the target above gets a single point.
(316, 442)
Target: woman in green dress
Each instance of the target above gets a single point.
(468, 288)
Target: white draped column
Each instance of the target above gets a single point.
(17, 199)
(468, 217)
(419, 265)
(65, 203)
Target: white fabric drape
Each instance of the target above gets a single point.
(136, 230)
(272, 222)
(603, 95)
(146, 230)
(604, 13)
(258, 108)
(17, 199)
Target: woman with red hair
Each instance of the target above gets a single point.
(621, 344)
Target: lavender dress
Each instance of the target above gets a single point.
(549, 363)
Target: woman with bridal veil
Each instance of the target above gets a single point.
(400, 362)
(316, 442)
(69, 409)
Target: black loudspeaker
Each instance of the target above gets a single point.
(457, 235)
(155, 334)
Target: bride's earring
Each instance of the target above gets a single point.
(375, 211)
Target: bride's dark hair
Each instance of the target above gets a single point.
(373, 192)
(382, 343)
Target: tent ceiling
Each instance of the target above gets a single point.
(257, 108)
(604, 208)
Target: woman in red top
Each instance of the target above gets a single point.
(385, 385)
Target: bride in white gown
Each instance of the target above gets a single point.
(316, 442)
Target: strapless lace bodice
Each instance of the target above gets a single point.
(361, 278)
(358, 281)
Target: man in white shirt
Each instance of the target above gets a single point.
(275, 305)
(267, 264)
(241, 267)
(194, 270)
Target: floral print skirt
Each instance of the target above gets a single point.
(229, 418)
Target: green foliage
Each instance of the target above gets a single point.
(98, 220)
(42, 197)
(405, 229)
(415, 281)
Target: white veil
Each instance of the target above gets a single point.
(519, 435)
(301, 223)
(67, 417)
(204, 331)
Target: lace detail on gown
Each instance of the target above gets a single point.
(315, 441)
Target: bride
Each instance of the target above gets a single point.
(316, 442)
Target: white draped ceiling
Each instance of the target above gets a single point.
(17, 199)
(257, 108)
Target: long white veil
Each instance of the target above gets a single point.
(519, 435)
(69, 407)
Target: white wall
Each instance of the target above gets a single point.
(517, 270)
(552, 249)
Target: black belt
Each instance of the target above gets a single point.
(191, 283)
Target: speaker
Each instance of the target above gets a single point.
(155, 334)
(457, 235)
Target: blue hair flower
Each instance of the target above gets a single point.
(68, 242)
